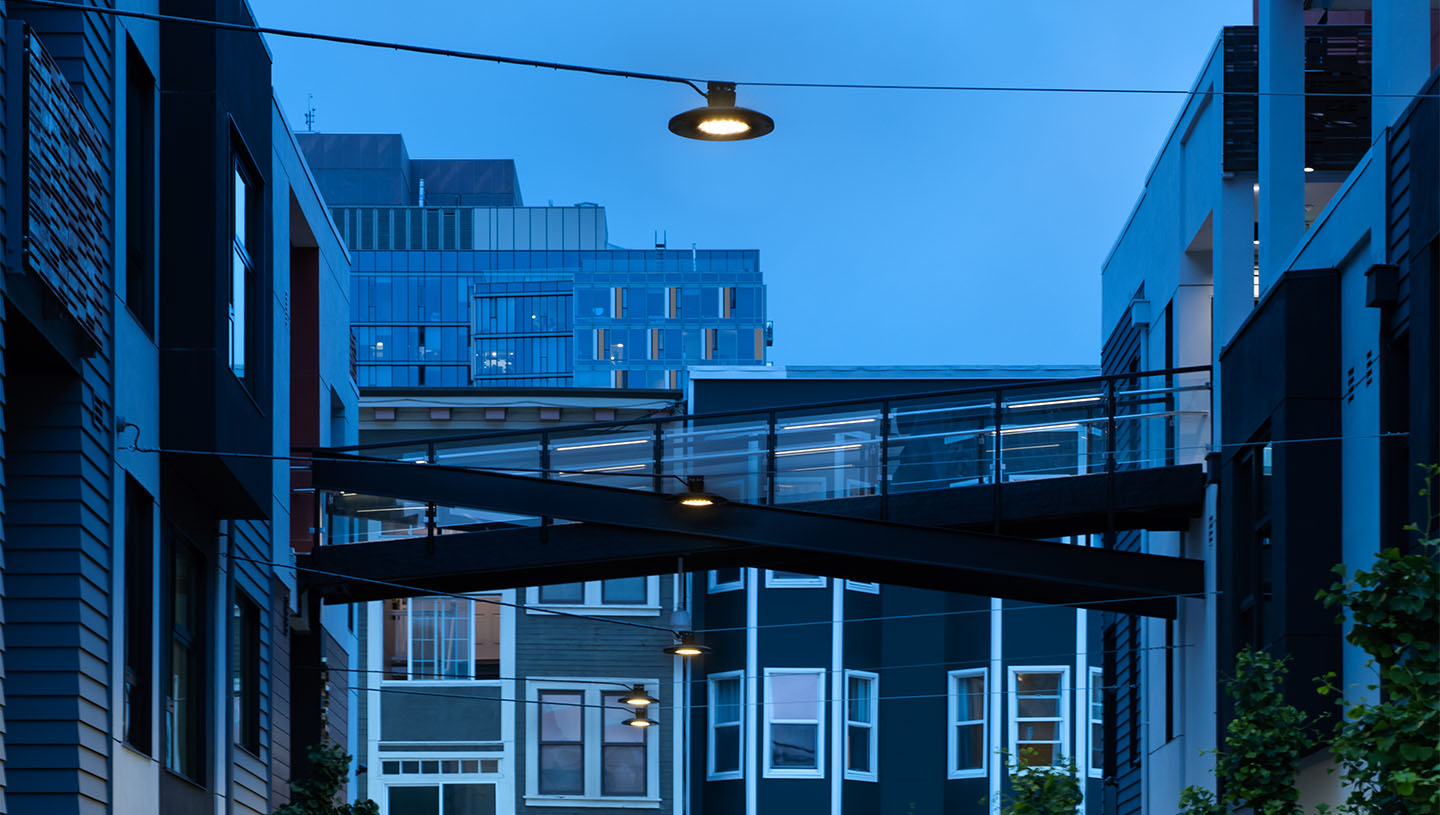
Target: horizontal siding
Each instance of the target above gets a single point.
(279, 693)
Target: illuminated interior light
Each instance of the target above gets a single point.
(803, 450)
(836, 423)
(600, 444)
(1077, 400)
(1039, 428)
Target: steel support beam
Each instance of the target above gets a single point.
(968, 562)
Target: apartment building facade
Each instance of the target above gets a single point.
(1290, 242)
(156, 213)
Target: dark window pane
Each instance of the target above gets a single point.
(970, 747)
(792, 746)
(727, 749)
(415, 800)
(858, 754)
(624, 591)
(726, 576)
(622, 769)
(563, 593)
(468, 799)
(727, 700)
(561, 769)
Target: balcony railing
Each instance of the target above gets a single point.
(836, 450)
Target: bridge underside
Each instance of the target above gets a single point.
(929, 540)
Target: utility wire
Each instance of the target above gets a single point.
(693, 82)
(433, 593)
(978, 662)
(548, 610)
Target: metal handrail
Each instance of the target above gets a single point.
(761, 412)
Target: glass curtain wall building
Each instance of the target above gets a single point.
(451, 289)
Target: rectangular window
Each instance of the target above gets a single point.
(726, 580)
(725, 749)
(562, 743)
(139, 611)
(442, 638)
(792, 580)
(139, 189)
(1097, 722)
(625, 591)
(861, 732)
(243, 251)
(794, 723)
(622, 750)
(563, 593)
(579, 743)
(245, 672)
(621, 596)
(1039, 735)
(185, 708)
(968, 735)
(868, 588)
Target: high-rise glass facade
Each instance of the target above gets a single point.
(453, 317)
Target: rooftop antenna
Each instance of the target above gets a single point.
(660, 240)
(310, 111)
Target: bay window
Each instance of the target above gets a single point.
(861, 733)
(794, 723)
(1039, 701)
(725, 747)
(968, 728)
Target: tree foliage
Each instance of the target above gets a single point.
(1387, 749)
(1263, 744)
(1044, 790)
(320, 794)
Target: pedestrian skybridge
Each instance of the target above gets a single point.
(956, 490)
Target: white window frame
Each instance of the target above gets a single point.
(716, 587)
(1093, 718)
(868, 588)
(590, 689)
(872, 774)
(592, 604)
(1064, 721)
(819, 721)
(953, 724)
(410, 674)
(502, 778)
(807, 582)
(739, 772)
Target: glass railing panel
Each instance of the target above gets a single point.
(619, 457)
(729, 452)
(453, 520)
(1049, 431)
(517, 455)
(941, 442)
(834, 454)
(358, 518)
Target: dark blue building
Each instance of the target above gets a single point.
(457, 283)
(824, 694)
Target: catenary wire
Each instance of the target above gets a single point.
(430, 593)
(691, 81)
(963, 664)
(548, 610)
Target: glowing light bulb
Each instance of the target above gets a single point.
(722, 127)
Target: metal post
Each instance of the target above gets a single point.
(1110, 429)
(658, 465)
(996, 461)
(770, 442)
(431, 511)
(545, 474)
(885, 460)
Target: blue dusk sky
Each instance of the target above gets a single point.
(894, 227)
